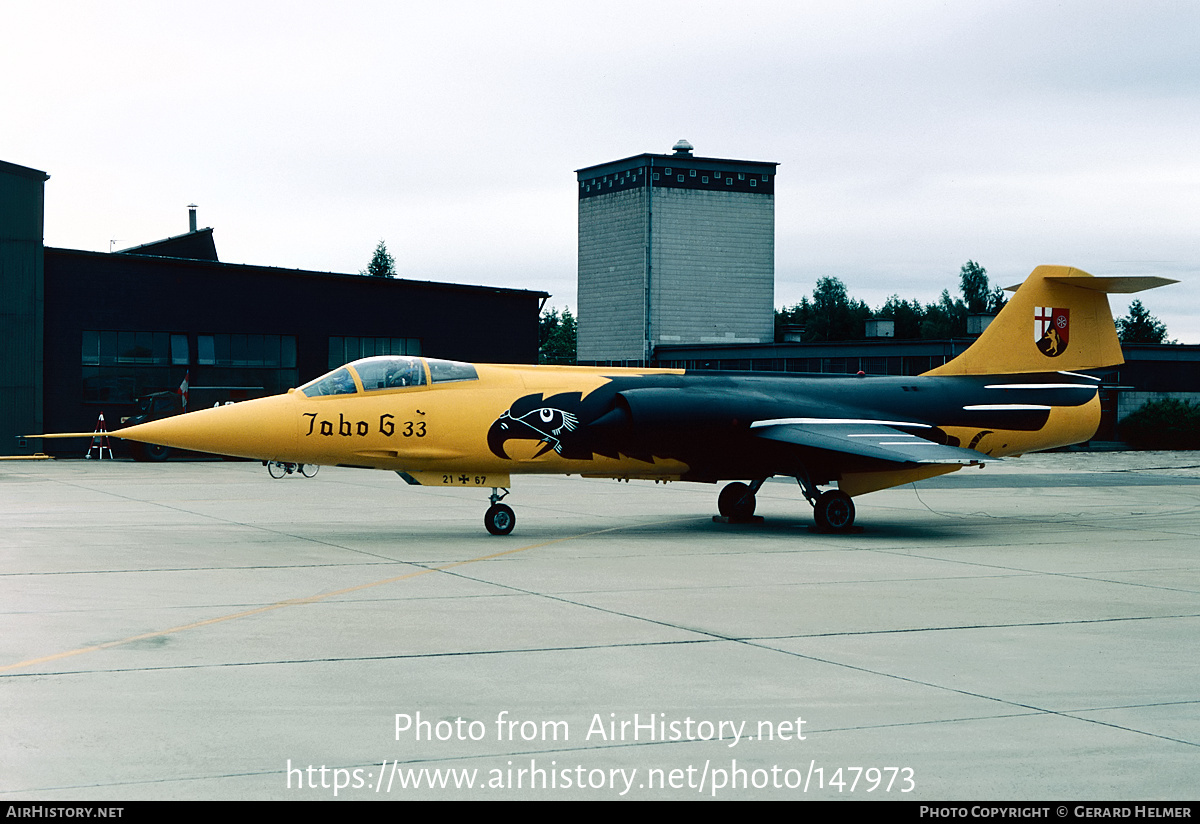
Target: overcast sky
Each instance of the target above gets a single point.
(912, 136)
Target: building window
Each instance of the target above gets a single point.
(667, 171)
(247, 351)
(206, 354)
(692, 173)
(753, 182)
(132, 348)
(180, 356)
(91, 348)
(705, 178)
(121, 366)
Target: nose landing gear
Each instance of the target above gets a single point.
(499, 518)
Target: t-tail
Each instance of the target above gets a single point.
(1058, 321)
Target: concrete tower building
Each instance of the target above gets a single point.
(674, 249)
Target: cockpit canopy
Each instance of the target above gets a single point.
(388, 372)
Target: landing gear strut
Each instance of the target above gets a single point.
(499, 518)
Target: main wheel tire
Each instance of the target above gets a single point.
(834, 511)
(736, 501)
(309, 470)
(499, 519)
(277, 469)
(150, 452)
(157, 453)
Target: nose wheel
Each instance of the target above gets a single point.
(499, 518)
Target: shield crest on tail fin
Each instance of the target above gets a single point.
(1051, 330)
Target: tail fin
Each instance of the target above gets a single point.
(1058, 320)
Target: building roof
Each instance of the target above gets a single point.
(198, 245)
(191, 263)
(23, 171)
(684, 161)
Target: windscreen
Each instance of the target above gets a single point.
(337, 382)
(389, 372)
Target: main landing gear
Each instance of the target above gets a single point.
(736, 501)
(833, 510)
(499, 518)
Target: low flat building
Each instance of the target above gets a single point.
(86, 333)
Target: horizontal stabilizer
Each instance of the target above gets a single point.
(1111, 286)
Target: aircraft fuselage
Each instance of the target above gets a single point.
(634, 423)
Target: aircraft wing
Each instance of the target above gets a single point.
(870, 439)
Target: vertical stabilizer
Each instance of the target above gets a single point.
(1058, 320)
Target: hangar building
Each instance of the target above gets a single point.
(674, 249)
(84, 333)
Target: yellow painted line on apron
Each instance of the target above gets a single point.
(292, 602)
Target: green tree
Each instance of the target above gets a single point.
(797, 315)
(382, 264)
(834, 315)
(973, 281)
(1139, 326)
(997, 300)
(556, 336)
(945, 319)
(907, 315)
(1165, 424)
(977, 292)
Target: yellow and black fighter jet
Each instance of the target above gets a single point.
(437, 422)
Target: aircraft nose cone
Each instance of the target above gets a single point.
(263, 429)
